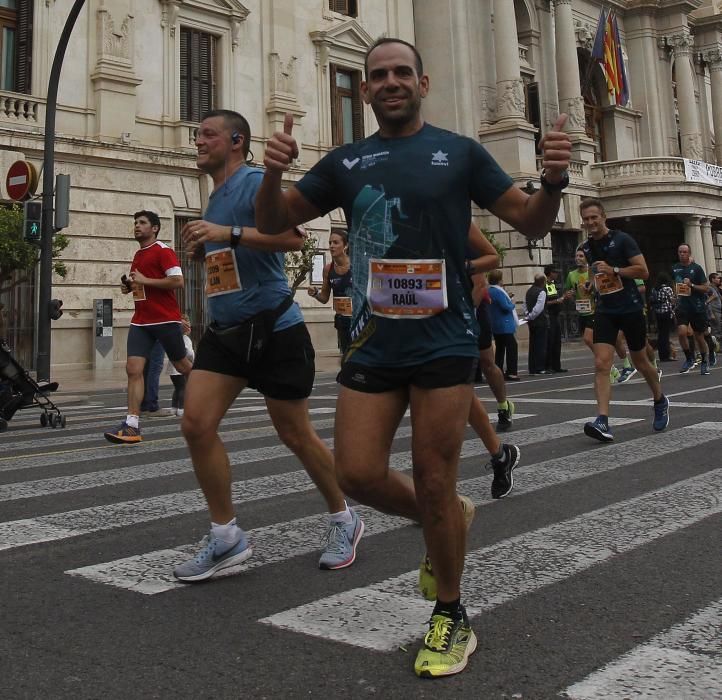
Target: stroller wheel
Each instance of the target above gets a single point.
(43, 419)
(53, 420)
(62, 421)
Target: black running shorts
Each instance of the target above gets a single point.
(437, 374)
(286, 372)
(634, 327)
(698, 321)
(586, 322)
(141, 340)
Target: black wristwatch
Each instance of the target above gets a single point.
(236, 235)
(552, 188)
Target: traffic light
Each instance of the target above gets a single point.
(31, 222)
(54, 310)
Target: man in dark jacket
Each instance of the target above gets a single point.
(554, 302)
(538, 321)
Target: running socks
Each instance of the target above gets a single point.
(344, 517)
(500, 456)
(452, 609)
(131, 421)
(227, 533)
(502, 405)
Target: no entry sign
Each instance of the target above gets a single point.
(21, 181)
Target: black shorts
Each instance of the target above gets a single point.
(437, 374)
(634, 327)
(342, 324)
(696, 319)
(483, 316)
(141, 340)
(586, 322)
(286, 372)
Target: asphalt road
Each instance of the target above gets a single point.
(600, 576)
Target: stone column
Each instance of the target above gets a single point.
(570, 92)
(708, 246)
(714, 61)
(691, 138)
(509, 86)
(693, 238)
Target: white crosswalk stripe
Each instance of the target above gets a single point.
(151, 572)
(521, 565)
(683, 662)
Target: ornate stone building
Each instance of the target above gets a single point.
(138, 74)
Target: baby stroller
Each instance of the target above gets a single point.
(18, 390)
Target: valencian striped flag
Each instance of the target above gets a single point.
(607, 51)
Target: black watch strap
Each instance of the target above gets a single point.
(236, 235)
(551, 188)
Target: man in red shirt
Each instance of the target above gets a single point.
(154, 276)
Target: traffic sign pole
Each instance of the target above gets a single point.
(42, 364)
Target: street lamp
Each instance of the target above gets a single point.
(45, 283)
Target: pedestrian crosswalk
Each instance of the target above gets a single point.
(69, 485)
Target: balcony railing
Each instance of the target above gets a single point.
(639, 170)
(21, 109)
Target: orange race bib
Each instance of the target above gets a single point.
(683, 290)
(410, 289)
(222, 273)
(608, 284)
(343, 306)
(138, 291)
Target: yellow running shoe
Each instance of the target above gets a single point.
(447, 647)
(427, 580)
(614, 375)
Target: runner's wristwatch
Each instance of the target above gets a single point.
(551, 188)
(236, 235)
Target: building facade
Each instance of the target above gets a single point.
(139, 73)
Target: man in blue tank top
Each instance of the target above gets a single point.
(406, 192)
(247, 290)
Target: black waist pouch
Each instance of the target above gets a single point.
(249, 340)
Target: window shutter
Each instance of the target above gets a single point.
(336, 126)
(195, 78)
(184, 75)
(24, 47)
(358, 107)
(207, 74)
(198, 87)
(344, 7)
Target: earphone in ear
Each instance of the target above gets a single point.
(235, 137)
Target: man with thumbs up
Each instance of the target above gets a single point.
(406, 192)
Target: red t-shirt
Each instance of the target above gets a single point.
(154, 305)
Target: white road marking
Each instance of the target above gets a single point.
(521, 565)
(683, 662)
(592, 402)
(152, 427)
(106, 477)
(46, 528)
(150, 573)
(151, 446)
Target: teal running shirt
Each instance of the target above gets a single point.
(408, 199)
